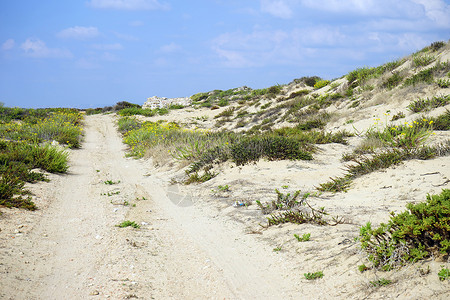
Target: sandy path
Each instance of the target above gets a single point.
(73, 250)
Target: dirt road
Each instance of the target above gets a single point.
(72, 249)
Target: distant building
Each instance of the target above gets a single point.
(163, 102)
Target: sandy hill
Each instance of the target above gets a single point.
(398, 93)
(247, 194)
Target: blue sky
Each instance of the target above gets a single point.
(92, 53)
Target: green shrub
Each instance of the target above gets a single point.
(12, 191)
(304, 238)
(273, 91)
(127, 124)
(124, 104)
(392, 81)
(298, 93)
(132, 111)
(444, 274)
(128, 223)
(315, 275)
(443, 83)
(176, 106)
(284, 201)
(226, 113)
(399, 115)
(422, 60)
(441, 122)
(380, 282)
(360, 75)
(435, 46)
(271, 147)
(427, 104)
(427, 75)
(199, 97)
(423, 229)
(321, 83)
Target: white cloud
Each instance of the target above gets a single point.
(262, 48)
(107, 47)
(79, 32)
(36, 48)
(8, 44)
(277, 8)
(403, 9)
(437, 11)
(129, 4)
(170, 48)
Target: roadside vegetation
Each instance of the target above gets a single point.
(25, 147)
(415, 234)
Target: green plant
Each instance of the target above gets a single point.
(428, 74)
(321, 83)
(12, 192)
(410, 236)
(128, 223)
(109, 194)
(131, 111)
(315, 275)
(127, 124)
(110, 182)
(399, 115)
(363, 268)
(176, 106)
(435, 46)
(196, 178)
(444, 273)
(422, 60)
(427, 104)
(380, 282)
(441, 122)
(392, 81)
(223, 188)
(304, 238)
(277, 249)
(443, 83)
(283, 201)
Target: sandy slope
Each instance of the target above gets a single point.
(71, 248)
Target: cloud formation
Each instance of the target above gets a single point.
(8, 44)
(277, 8)
(79, 32)
(170, 48)
(129, 4)
(34, 47)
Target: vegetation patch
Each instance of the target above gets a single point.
(394, 144)
(417, 233)
(313, 276)
(428, 104)
(321, 83)
(24, 146)
(128, 223)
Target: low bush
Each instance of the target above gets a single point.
(417, 233)
(428, 104)
(132, 111)
(127, 124)
(321, 83)
(392, 81)
(271, 147)
(441, 122)
(422, 60)
(443, 83)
